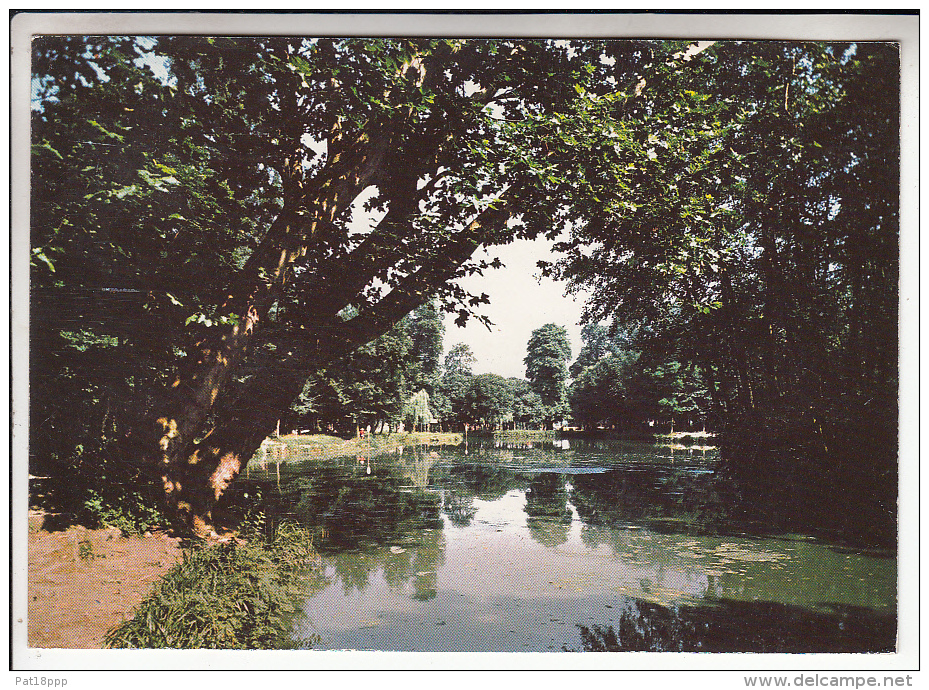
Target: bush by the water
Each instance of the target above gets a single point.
(226, 596)
(131, 513)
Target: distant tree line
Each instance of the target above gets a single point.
(401, 380)
(618, 387)
(390, 381)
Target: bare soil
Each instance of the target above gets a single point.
(83, 582)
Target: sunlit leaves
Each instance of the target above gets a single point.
(39, 253)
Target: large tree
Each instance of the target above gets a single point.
(528, 410)
(426, 330)
(488, 401)
(454, 385)
(197, 251)
(750, 230)
(547, 355)
(602, 393)
(597, 343)
(614, 385)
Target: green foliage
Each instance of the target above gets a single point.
(528, 410)
(736, 212)
(597, 344)
(416, 411)
(245, 207)
(682, 395)
(226, 596)
(459, 360)
(741, 241)
(547, 355)
(85, 550)
(601, 395)
(369, 387)
(377, 383)
(455, 384)
(746, 233)
(97, 487)
(133, 228)
(488, 400)
(130, 512)
(626, 390)
(426, 329)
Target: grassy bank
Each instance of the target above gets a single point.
(322, 446)
(226, 596)
(522, 435)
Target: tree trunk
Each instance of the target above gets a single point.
(196, 471)
(737, 356)
(195, 474)
(197, 465)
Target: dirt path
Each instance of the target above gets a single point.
(83, 582)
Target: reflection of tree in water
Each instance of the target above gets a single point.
(517, 453)
(549, 518)
(593, 536)
(355, 508)
(666, 499)
(427, 559)
(548, 533)
(736, 626)
(472, 480)
(619, 496)
(459, 508)
(463, 483)
(417, 561)
(354, 568)
(414, 464)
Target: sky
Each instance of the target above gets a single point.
(520, 302)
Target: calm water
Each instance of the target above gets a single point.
(569, 546)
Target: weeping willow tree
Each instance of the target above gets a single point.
(416, 410)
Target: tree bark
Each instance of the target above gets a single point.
(195, 470)
(198, 475)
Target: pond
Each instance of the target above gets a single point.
(568, 546)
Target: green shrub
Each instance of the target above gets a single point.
(86, 550)
(227, 596)
(128, 512)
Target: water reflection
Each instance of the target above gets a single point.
(590, 546)
(547, 509)
(350, 508)
(679, 498)
(738, 626)
(458, 508)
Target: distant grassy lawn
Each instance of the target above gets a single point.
(524, 433)
(325, 446)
